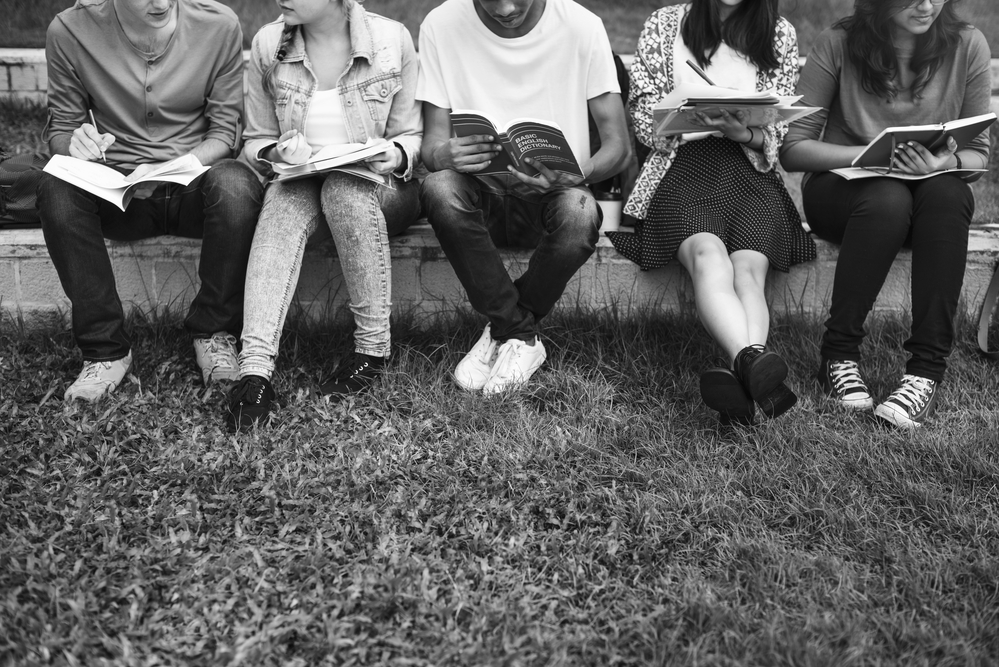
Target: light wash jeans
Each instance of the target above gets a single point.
(361, 215)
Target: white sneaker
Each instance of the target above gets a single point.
(216, 357)
(98, 379)
(472, 372)
(516, 362)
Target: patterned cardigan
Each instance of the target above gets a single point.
(652, 77)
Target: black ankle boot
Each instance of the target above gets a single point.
(722, 391)
(354, 374)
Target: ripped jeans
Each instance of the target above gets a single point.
(361, 216)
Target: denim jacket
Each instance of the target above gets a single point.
(377, 92)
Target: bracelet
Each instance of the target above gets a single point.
(960, 165)
(752, 135)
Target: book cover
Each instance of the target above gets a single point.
(668, 122)
(110, 184)
(539, 140)
(877, 155)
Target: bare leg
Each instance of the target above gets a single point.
(750, 278)
(718, 305)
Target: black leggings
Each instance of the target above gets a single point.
(872, 219)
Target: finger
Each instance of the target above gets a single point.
(283, 139)
(537, 181)
(86, 145)
(472, 159)
(475, 139)
(919, 149)
(542, 169)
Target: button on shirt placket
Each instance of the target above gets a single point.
(149, 105)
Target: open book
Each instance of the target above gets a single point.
(877, 159)
(674, 113)
(347, 158)
(539, 140)
(110, 184)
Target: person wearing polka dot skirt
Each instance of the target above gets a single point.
(713, 200)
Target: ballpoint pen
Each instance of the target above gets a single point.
(700, 72)
(94, 123)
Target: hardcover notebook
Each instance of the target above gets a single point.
(879, 152)
(110, 184)
(539, 140)
(877, 158)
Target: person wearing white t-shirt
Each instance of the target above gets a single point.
(544, 59)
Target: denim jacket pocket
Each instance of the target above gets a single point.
(378, 93)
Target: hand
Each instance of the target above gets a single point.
(735, 125)
(467, 155)
(88, 144)
(292, 148)
(386, 162)
(548, 180)
(914, 158)
(143, 190)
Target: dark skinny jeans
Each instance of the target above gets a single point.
(220, 207)
(872, 219)
(470, 222)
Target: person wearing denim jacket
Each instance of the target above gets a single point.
(326, 72)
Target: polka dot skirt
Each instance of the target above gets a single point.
(712, 187)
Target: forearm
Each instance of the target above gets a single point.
(609, 161)
(59, 144)
(211, 151)
(433, 160)
(814, 155)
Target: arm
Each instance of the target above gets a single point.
(615, 148)
(224, 104)
(262, 129)
(648, 85)
(404, 125)
(802, 149)
(442, 151)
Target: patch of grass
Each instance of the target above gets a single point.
(599, 517)
(26, 20)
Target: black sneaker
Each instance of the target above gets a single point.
(249, 403)
(353, 375)
(842, 381)
(910, 404)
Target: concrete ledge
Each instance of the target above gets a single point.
(160, 276)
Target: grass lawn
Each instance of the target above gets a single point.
(600, 517)
(26, 20)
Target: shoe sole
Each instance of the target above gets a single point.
(889, 414)
(104, 394)
(476, 385)
(721, 391)
(777, 402)
(764, 375)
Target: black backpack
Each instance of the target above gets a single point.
(19, 177)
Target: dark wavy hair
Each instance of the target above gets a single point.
(749, 30)
(870, 47)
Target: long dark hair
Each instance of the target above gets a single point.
(871, 49)
(749, 30)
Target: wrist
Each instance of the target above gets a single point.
(750, 136)
(957, 162)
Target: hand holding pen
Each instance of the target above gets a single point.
(88, 143)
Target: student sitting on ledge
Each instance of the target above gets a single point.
(544, 59)
(892, 63)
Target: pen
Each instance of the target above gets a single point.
(94, 123)
(700, 72)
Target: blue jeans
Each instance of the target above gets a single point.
(360, 215)
(220, 207)
(471, 222)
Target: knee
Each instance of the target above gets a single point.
(576, 215)
(235, 181)
(885, 202)
(446, 189)
(55, 202)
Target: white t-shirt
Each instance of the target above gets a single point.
(325, 124)
(550, 73)
(728, 68)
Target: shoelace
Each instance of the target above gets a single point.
(251, 389)
(93, 370)
(351, 368)
(505, 357)
(214, 345)
(913, 393)
(845, 376)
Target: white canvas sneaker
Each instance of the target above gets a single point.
(216, 357)
(516, 362)
(98, 379)
(472, 372)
